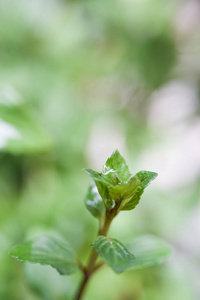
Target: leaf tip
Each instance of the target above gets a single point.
(153, 175)
(116, 151)
(86, 170)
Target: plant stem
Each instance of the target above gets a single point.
(91, 267)
(82, 287)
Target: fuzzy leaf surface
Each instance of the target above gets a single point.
(114, 253)
(52, 251)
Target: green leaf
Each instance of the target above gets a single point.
(102, 186)
(131, 203)
(117, 164)
(104, 192)
(46, 250)
(149, 251)
(21, 131)
(94, 174)
(111, 177)
(114, 253)
(125, 191)
(94, 202)
(145, 177)
(107, 178)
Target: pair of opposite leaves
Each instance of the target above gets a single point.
(114, 184)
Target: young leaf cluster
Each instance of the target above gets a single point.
(113, 190)
(117, 186)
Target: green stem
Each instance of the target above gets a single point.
(82, 287)
(91, 267)
(103, 230)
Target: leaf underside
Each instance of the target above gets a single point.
(94, 202)
(46, 250)
(149, 251)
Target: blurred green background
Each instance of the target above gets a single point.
(79, 79)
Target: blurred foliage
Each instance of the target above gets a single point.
(79, 79)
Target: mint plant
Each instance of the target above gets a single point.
(112, 191)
